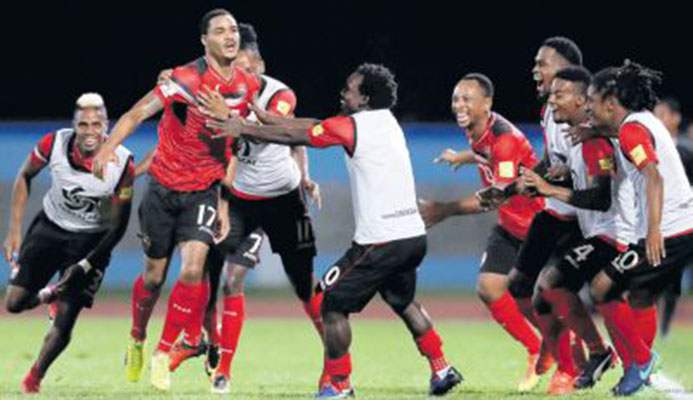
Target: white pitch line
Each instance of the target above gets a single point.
(670, 387)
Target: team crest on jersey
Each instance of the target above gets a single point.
(506, 169)
(76, 201)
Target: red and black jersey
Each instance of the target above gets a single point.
(186, 157)
(501, 152)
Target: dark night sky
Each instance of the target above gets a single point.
(53, 51)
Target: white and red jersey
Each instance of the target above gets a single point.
(501, 152)
(77, 201)
(645, 140)
(264, 169)
(382, 181)
(558, 149)
(588, 161)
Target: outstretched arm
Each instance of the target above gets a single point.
(20, 197)
(434, 212)
(144, 109)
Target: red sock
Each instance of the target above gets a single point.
(564, 353)
(507, 314)
(193, 331)
(339, 370)
(431, 346)
(211, 325)
(574, 315)
(527, 309)
(143, 302)
(312, 308)
(619, 344)
(547, 324)
(231, 326)
(621, 315)
(181, 308)
(646, 323)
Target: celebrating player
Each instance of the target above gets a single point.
(554, 230)
(619, 103)
(390, 238)
(607, 225)
(82, 220)
(180, 205)
(500, 151)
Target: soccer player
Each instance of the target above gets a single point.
(607, 225)
(82, 220)
(500, 151)
(620, 100)
(266, 193)
(180, 204)
(390, 238)
(554, 230)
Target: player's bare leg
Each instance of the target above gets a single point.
(233, 317)
(18, 299)
(338, 358)
(492, 289)
(54, 343)
(185, 296)
(145, 294)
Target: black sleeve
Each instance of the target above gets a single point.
(99, 257)
(595, 198)
(542, 167)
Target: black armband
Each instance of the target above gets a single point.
(596, 198)
(542, 168)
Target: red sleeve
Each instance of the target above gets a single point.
(283, 103)
(42, 152)
(335, 131)
(124, 190)
(637, 144)
(180, 88)
(507, 156)
(599, 157)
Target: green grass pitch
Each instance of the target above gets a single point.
(282, 359)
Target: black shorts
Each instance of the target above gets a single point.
(548, 237)
(285, 220)
(632, 271)
(364, 270)
(168, 217)
(238, 247)
(48, 249)
(585, 260)
(501, 252)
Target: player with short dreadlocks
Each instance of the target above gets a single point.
(620, 100)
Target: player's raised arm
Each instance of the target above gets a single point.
(33, 164)
(144, 109)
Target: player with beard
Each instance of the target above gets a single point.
(607, 225)
(179, 207)
(390, 238)
(500, 151)
(82, 220)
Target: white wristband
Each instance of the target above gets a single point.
(85, 264)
